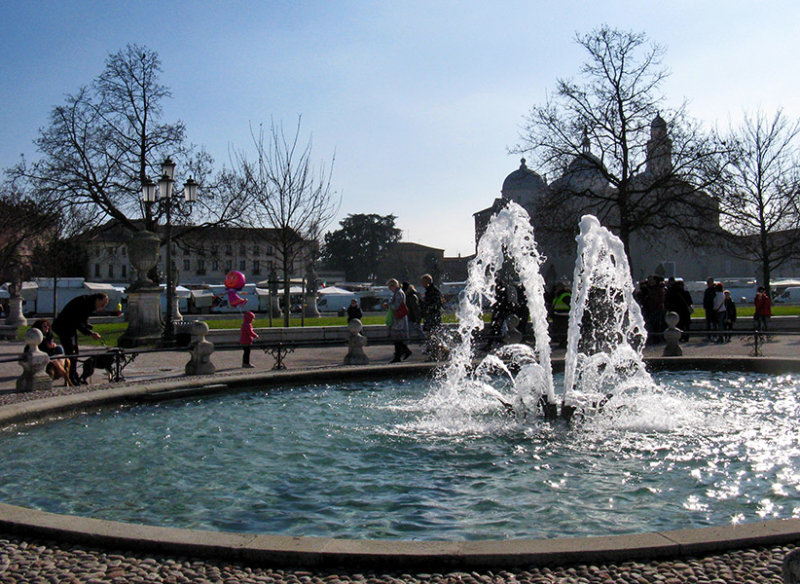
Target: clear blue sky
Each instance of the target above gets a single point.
(420, 100)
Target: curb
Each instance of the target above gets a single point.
(317, 552)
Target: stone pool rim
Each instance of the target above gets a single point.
(318, 552)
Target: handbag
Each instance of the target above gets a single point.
(401, 311)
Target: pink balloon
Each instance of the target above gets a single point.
(234, 280)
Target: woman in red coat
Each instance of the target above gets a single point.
(246, 337)
(763, 308)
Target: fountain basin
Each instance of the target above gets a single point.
(322, 550)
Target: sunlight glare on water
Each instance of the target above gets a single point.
(374, 460)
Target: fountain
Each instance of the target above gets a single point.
(606, 328)
(479, 453)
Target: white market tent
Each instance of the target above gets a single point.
(332, 290)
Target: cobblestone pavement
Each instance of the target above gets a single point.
(31, 562)
(27, 560)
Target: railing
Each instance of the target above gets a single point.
(114, 360)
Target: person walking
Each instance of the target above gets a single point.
(397, 319)
(432, 305)
(730, 315)
(74, 318)
(708, 305)
(720, 311)
(763, 309)
(414, 303)
(246, 337)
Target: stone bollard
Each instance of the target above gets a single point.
(200, 349)
(34, 362)
(672, 336)
(355, 344)
(791, 567)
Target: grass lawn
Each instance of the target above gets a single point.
(112, 331)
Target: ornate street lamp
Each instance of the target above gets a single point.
(164, 194)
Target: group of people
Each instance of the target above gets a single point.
(420, 315)
(72, 319)
(409, 314)
(720, 311)
(408, 311)
(657, 297)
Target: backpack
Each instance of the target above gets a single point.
(414, 309)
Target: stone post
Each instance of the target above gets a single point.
(355, 344)
(672, 335)
(200, 350)
(310, 294)
(791, 567)
(33, 362)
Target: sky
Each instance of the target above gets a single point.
(420, 102)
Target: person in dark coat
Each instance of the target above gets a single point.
(432, 304)
(679, 301)
(730, 315)
(708, 305)
(354, 311)
(74, 318)
(414, 304)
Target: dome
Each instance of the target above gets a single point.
(585, 173)
(522, 185)
(586, 162)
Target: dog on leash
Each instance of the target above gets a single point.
(95, 362)
(59, 369)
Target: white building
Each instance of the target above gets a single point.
(202, 255)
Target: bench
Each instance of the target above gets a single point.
(279, 349)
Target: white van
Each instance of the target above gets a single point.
(334, 302)
(790, 295)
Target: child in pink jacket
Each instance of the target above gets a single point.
(246, 337)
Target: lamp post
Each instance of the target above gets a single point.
(164, 194)
(273, 289)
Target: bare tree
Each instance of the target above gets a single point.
(104, 142)
(760, 190)
(290, 195)
(607, 135)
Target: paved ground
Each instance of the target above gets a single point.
(30, 560)
(172, 363)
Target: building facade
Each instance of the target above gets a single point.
(663, 249)
(202, 255)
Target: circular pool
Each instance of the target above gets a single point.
(379, 460)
